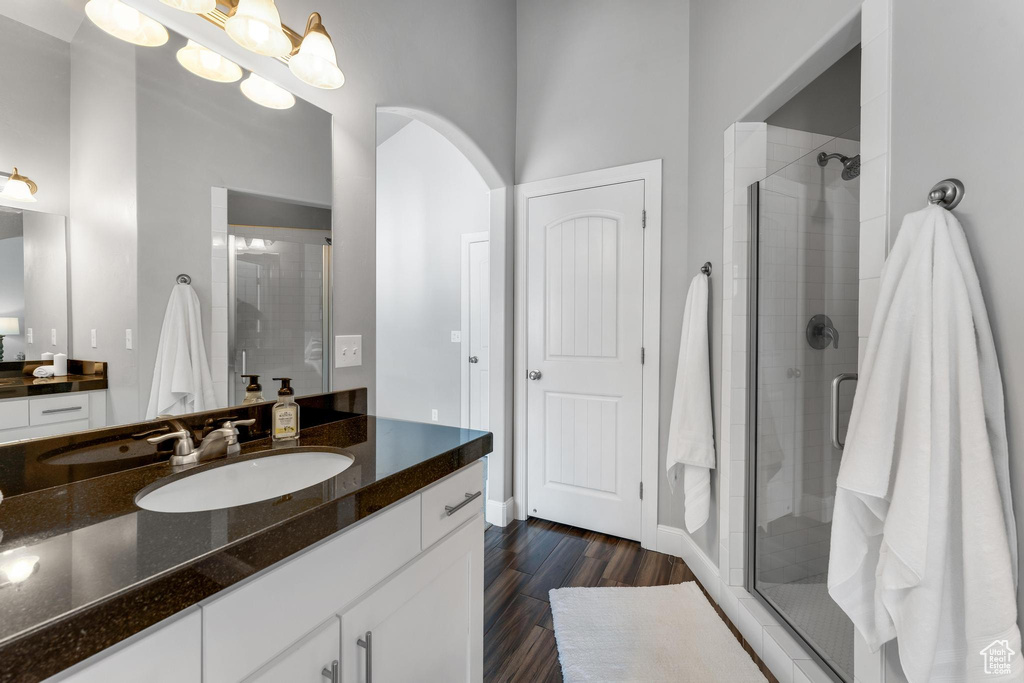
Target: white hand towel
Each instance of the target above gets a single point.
(691, 435)
(181, 378)
(924, 547)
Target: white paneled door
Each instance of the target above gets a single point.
(584, 338)
(476, 327)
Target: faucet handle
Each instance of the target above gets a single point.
(183, 445)
(229, 424)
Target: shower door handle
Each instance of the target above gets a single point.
(243, 363)
(837, 381)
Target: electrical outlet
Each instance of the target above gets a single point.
(92, 338)
(348, 350)
(28, 336)
(53, 337)
(456, 335)
(433, 414)
(128, 339)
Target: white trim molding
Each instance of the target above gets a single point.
(650, 173)
(499, 513)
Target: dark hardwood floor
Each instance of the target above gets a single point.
(525, 560)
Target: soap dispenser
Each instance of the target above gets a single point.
(285, 413)
(253, 391)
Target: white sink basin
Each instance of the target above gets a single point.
(249, 481)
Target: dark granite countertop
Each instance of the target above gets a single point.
(17, 381)
(107, 569)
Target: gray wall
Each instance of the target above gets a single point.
(428, 196)
(969, 131)
(739, 50)
(830, 104)
(604, 83)
(12, 280)
(192, 135)
(35, 110)
(103, 232)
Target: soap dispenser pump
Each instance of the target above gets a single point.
(285, 413)
(253, 391)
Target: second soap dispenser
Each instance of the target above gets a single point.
(285, 413)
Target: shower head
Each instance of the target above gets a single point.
(851, 165)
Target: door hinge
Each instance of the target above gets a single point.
(641, 490)
(643, 355)
(643, 219)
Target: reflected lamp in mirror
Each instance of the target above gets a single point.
(126, 23)
(266, 94)
(256, 26)
(18, 188)
(8, 326)
(192, 6)
(316, 62)
(206, 63)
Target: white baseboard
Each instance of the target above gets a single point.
(674, 541)
(498, 513)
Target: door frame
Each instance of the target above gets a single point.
(650, 173)
(467, 239)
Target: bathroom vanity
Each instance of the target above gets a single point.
(33, 407)
(377, 571)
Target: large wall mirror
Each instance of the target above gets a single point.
(146, 172)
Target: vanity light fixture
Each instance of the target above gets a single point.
(256, 26)
(264, 93)
(205, 63)
(18, 187)
(126, 23)
(192, 6)
(316, 62)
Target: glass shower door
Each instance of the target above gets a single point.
(278, 309)
(805, 250)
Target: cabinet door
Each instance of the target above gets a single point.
(426, 622)
(305, 661)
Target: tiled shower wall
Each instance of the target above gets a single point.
(808, 265)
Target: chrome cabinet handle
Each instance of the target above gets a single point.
(332, 673)
(474, 359)
(51, 411)
(367, 642)
(534, 375)
(470, 497)
(834, 421)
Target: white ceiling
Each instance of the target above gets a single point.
(59, 18)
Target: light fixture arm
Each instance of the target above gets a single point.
(17, 176)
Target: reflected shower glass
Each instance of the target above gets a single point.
(806, 234)
(278, 282)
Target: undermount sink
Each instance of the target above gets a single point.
(248, 481)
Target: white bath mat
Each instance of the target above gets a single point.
(663, 633)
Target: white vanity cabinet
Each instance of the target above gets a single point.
(51, 415)
(411, 576)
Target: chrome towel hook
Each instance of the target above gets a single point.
(706, 268)
(947, 193)
(183, 279)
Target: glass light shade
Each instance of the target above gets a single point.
(316, 62)
(206, 63)
(126, 23)
(9, 326)
(256, 26)
(19, 189)
(193, 6)
(264, 93)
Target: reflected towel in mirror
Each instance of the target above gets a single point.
(182, 382)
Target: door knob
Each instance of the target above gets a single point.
(474, 359)
(534, 375)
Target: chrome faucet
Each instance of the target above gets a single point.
(221, 442)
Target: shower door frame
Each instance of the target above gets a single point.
(753, 325)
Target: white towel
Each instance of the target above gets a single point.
(691, 435)
(924, 547)
(181, 378)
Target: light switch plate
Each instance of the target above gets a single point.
(53, 337)
(92, 338)
(128, 339)
(456, 335)
(28, 336)
(348, 350)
